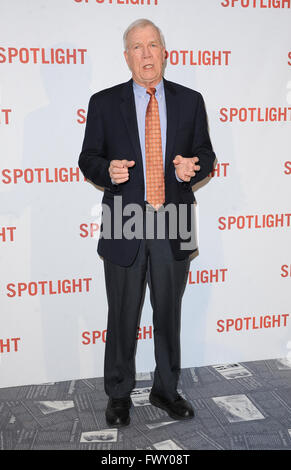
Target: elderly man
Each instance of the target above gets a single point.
(146, 143)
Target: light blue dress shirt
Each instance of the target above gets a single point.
(142, 99)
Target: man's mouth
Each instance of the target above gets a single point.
(148, 66)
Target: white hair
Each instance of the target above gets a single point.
(142, 23)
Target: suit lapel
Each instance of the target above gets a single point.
(172, 121)
(128, 111)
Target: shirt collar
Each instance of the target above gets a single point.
(142, 92)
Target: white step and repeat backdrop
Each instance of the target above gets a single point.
(53, 56)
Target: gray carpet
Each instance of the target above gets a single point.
(245, 406)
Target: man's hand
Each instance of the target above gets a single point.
(186, 167)
(118, 170)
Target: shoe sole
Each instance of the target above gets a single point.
(172, 415)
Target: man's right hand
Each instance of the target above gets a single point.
(118, 170)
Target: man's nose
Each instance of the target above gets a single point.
(147, 52)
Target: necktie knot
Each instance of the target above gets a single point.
(151, 91)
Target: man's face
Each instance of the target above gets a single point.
(145, 55)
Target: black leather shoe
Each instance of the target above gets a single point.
(177, 409)
(117, 411)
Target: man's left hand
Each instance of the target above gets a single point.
(186, 167)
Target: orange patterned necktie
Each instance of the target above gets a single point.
(154, 154)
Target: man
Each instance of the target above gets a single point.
(146, 142)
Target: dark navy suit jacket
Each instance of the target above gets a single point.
(112, 133)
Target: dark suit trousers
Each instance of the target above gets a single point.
(125, 287)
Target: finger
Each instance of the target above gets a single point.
(178, 159)
(121, 171)
(121, 180)
(116, 164)
(189, 170)
(193, 167)
(195, 159)
(128, 163)
(190, 167)
(119, 176)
